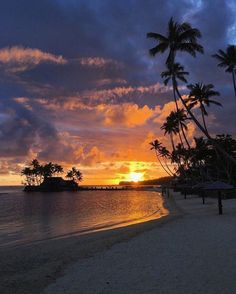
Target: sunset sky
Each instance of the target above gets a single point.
(78, 87)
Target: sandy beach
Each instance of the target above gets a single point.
(192, 250)
(194, 253)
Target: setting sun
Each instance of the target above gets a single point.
(135, 177)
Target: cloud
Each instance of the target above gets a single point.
(19, 59)
(91, 93)
(98, 62)
(126, 114)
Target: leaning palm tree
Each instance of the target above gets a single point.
(200, 95)
(157, 146)
(227, 60)
(166, 155)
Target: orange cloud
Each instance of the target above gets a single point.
(21, 58)
(127, 114)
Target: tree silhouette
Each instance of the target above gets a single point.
(35, 173)
(171, 127)
(200, 95)
(227, 60)
(174, 72)
(75, 175)
(160, 152)
(182, 38)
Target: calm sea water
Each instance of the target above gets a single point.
(29, 217)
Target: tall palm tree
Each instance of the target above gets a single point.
(227, 60)
(200, 95)
(177, 73)
(180, 37)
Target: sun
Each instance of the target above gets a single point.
(135, 177)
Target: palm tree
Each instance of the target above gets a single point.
(157, 146)
(28, 173)
(75, 174)
(171, 127)
(36, 171)
(180, 37)
(227, 60)
(177, 71)
(57, 169)
(164, 153)
(200, 95)
(181, 117)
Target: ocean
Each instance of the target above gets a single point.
(31, 217)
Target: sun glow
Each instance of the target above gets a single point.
(135, 177)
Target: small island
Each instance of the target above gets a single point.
(45, 178)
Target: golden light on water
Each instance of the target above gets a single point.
(135, 177)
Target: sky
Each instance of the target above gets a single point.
(78, 87)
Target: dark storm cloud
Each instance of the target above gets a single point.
(108, 29)
(20, 128)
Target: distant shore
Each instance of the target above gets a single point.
(31, 268)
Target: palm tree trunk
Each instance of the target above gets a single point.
(169, 168)
(185, 138)
(180, 138)
(204, 121)
(174, 94)
(233, 75)
(162, 164)
(177, 108)
(222, 151)
(172, 141)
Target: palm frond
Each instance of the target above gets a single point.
(157, 37)
(160, 48)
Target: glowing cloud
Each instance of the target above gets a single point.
(20, 58)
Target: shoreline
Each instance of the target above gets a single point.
(39, 264)
(193, 254)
